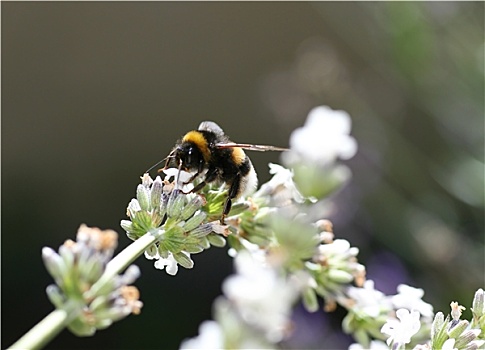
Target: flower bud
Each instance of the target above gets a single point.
(478, 306)
(466, 338)
(310, 300)
(193, 225)
(127, 225)
(458, 329)
(143, 196)
(156, 192)
(175, 204)
(340, 276)
(53, 262)
(192, 207)
(216, 240)
(55, 296)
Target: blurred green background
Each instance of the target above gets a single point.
(93, 93)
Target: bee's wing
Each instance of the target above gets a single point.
(211, 126)
(261, 148)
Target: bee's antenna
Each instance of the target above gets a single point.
(158, 163)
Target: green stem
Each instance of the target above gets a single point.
(125, 258)
(48, 328)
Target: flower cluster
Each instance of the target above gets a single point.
(372, 315)
(400, 331)
(178, 219)
(284, 252)
(454, 333)
(281, 254)
(77, 269)
(315, 148)
(261, 297)
(413, 323)
(333, 267)
(254, 311)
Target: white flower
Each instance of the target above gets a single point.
(281, 185)
(262, 298)
(324, 137)
(210, 337)
(410, 298)
(374, 345)
(449, 345)
(146, 180)
(258, 254)
(340, 261)
(183, 178)
(170, 263)
(456, 310)
(400, 331)
(340, 248)
(368, 300)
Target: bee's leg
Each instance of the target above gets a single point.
(227, 209)
(210, 176)
(196, 188)
(199, 170)
(192, 178)
(233, 192)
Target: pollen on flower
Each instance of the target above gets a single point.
(168, 186)
(359, 275)
(89, 318)
(109, 239)
(252, 205)
(321, 259)
(325, 225)
(69, 243)
(330, 305)
(97, 238)
(146, 179)
(347, 303)
(131, 294)
(326, 235)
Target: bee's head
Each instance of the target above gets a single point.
(189, 156)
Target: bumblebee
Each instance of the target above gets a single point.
(207, 153)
